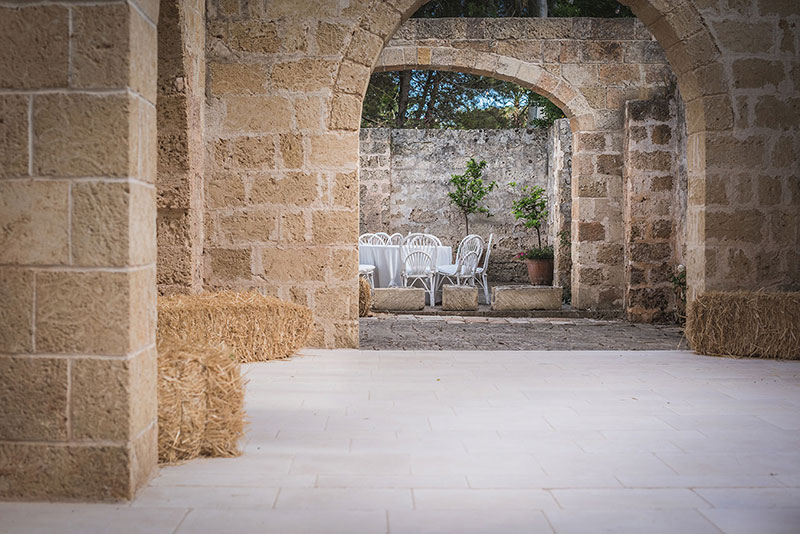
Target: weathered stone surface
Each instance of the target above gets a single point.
(295, 188)
(34, 223)
(526, 298)
(228, 264)
(34, 47)
(459, 298)
(257, 114)
(303, 75)
(16, 314)
(101, 46)
(87, 313)
(398, 298)
(80, 135)
(257, 152)
(99, 399)
(237, 78)
(14, 135)
(33, 399)
(334, 227)
(113, 224)
(86, 472)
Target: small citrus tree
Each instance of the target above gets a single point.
(531, 208)
(471, 190)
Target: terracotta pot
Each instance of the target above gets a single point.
(540, 272)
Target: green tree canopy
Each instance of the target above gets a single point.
(441, 99)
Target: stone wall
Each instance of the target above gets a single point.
(181, 152)
(655, 206)
(77, 249)
(404, 181)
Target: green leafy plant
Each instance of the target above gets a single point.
(471, 190)
(531, 209)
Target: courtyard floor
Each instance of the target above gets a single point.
(485, 441)
(436, 332)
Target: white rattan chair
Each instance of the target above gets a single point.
(384, 236)
(418, 266)
(363, 239)
(480, 272)
(421, 241)
(461, 273)
(371, 239)
(395, 239)
(455, 271)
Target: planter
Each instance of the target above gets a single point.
(540, 272)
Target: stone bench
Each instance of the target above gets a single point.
(526, 298)
(459, 298)
(398, 298)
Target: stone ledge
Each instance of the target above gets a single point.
(459, 298)
(526, 298)
(398, 298)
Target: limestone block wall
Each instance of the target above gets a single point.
(738, 70)
(77, 249)
(655, 206)
(404, 180)
(181, 150)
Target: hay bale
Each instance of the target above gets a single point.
(754, 324)
(364, 297)
(200, 401)
(254, 327)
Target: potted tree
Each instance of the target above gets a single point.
(471, 190)
(531, 208)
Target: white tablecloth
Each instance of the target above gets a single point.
(386, 259)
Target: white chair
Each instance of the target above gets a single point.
(419, 266)
(462, 272)
(371, 239)
(421, 240)
(384, 237)
(455, 271)
(395, 239)
(368, 272)
(480, 272)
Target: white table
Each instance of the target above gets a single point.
(387, 261)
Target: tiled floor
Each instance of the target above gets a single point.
(490, 442)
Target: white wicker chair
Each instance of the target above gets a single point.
(421, 240)
(460, 273)
(371, 239)
(395, 239)
(419, 266)
(363, 239)
(480, 272)
(384, 237)
(471, 243)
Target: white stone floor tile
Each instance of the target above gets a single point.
(755, 520)
(49, 518)
(468, 522)
(487, 442)
(205, 521)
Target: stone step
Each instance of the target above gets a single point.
(526, 297)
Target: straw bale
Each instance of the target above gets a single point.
(364, 297)
(252, 326)
(752, 324)
(200, 401)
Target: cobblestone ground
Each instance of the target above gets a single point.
(423, 332)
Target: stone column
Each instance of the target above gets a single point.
(77, 249)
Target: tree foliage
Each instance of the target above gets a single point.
(531, 207)
(470, 190)
(441, 99)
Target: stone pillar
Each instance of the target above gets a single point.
(181, 153)
(652, 208)
(77, 249)
(559, 177)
